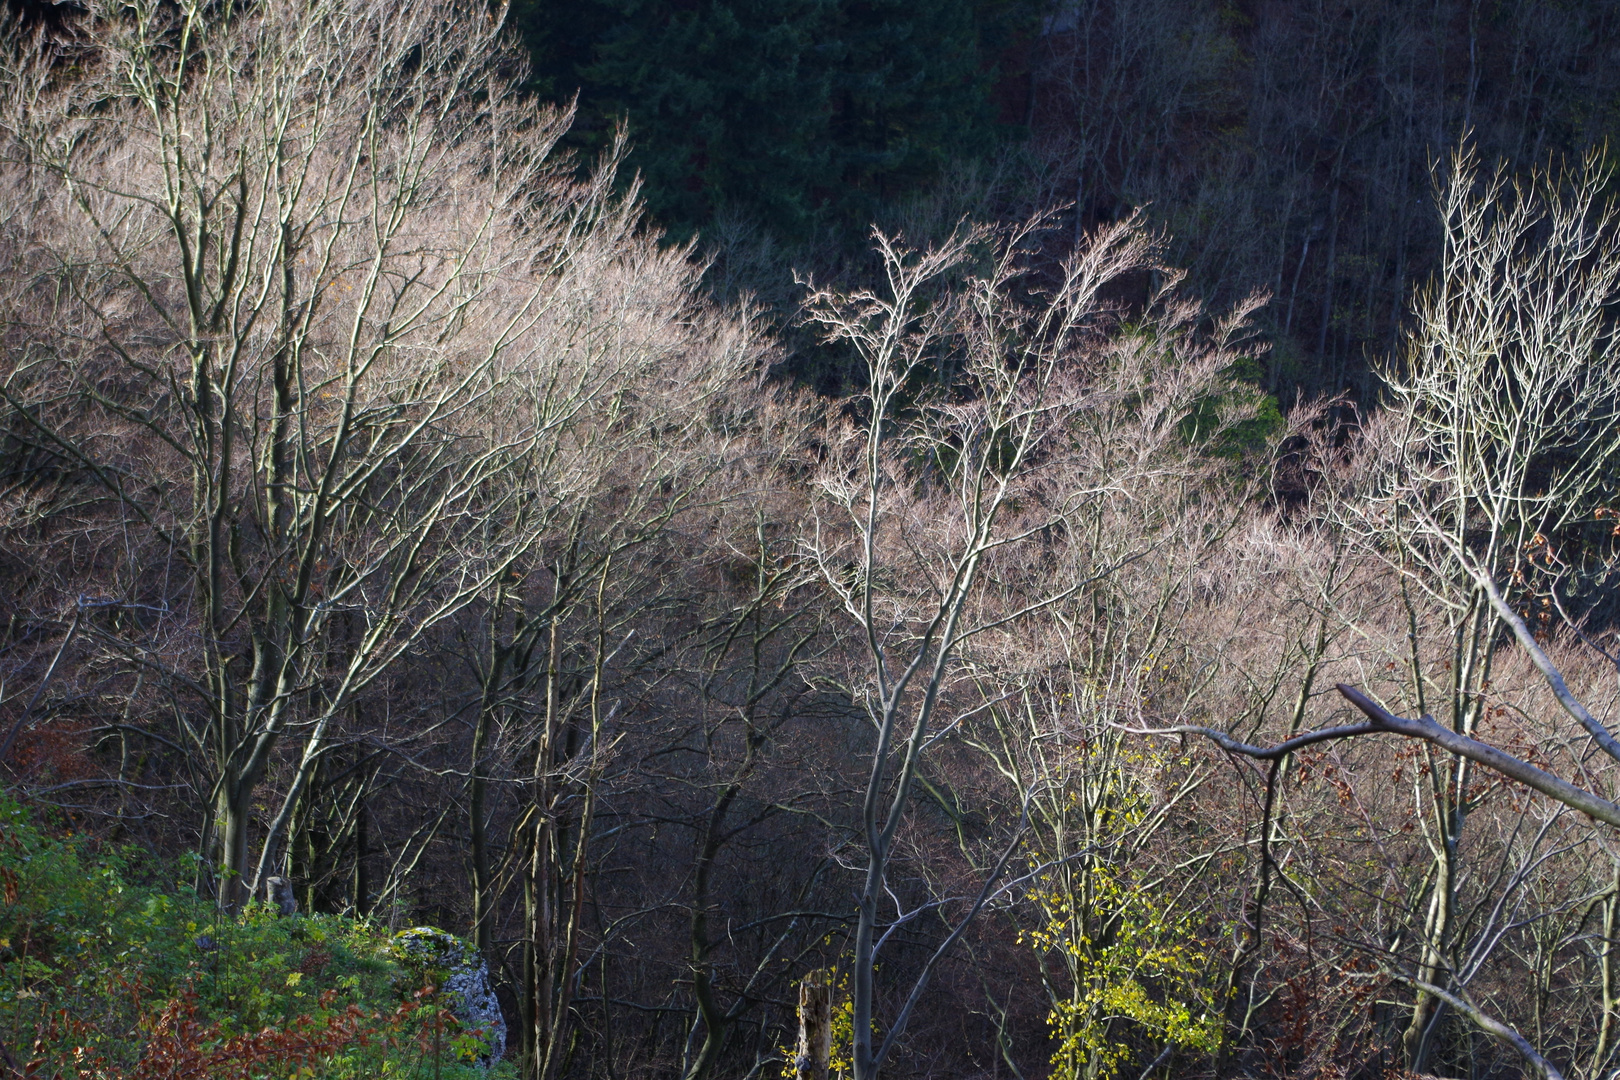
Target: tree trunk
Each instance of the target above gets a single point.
(1611, 925)
(477, 784)
(815, 1026)
(235, 809)
(362, 883)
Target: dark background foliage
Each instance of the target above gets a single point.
(1286, 145)
(800, 113)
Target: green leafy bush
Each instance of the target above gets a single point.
(102, 976)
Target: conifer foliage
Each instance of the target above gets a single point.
(798, 113)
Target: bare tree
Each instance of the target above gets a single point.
(1492, 459)
(288, 266)
(1114, 901)
(944, 503)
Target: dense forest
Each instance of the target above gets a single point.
(820, 537)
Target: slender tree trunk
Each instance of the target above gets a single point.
(1271, 832)
(1416, 1040)
(1327, 283)
(715, 1020)
(540, 884)
(1606, 963)
(530, 1063)
(362, 880)
(477, 782)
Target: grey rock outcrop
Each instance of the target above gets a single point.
(465, 984)
(278, 893)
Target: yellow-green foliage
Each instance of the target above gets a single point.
(1137, 966)
(841, 1057)
(841, 1060)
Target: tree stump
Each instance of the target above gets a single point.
(815, 1025)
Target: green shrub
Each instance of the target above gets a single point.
(101, 976)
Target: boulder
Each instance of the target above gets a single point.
(278, 893)
(462, 978)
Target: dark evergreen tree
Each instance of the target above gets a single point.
(797, 112)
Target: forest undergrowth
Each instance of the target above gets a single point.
(114, 968)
